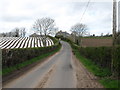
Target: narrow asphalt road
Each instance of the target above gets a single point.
(61, 70)
(57, 72)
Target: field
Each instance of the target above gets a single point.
(19, 52)
(96, 42)
(24, 42)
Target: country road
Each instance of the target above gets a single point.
(61, 70)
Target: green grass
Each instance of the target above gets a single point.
(103, 73)
(109, 83)
(99, 72)
(7, 71)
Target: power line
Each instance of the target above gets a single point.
(85, 10)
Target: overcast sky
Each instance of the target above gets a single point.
(66, 13)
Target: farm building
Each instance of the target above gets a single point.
(34, 35)
(61, 33)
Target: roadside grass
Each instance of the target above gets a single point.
(109, 83)
(92, 67)
(103, 73)
(7, 71)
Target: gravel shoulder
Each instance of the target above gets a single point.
(85, 79)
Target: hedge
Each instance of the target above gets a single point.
(116, 62)
(101, 56)
(14, 56)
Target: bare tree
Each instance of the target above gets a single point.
(18, 32)
(79, 30)
(74, 37)
(22, 32)
(54, 31)
(38, 26)
(45, 26)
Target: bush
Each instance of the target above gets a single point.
(100, 55)
(12, 57)
(55, 40)
(116, 62)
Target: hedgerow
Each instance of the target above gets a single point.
(101, 56)
(15, 56)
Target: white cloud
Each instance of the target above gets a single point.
(23, 13)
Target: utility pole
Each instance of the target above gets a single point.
(119, 16)
(0, 69)
(114, 22)
(114, 33)
(118, 36)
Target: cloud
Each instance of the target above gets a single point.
(23, 13)
(14, 18)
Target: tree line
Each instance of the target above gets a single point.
(46, 26)
(16, 32)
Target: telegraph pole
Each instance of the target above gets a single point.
(114, 33)
(118, 35)
(114, 22)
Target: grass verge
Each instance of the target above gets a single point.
(103, 73)
(110, 83)
(100, 72)
(7, 71)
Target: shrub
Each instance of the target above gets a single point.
(53, 39)
(12, 57)
(102, 56)
(116, 60)
(99, 55)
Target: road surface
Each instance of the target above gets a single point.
(61, 70)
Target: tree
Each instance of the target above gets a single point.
(93, 35)
(79, 30)
(101, 34)
(22, 32)
(74, 37)
(45, 26)
(18, 32)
